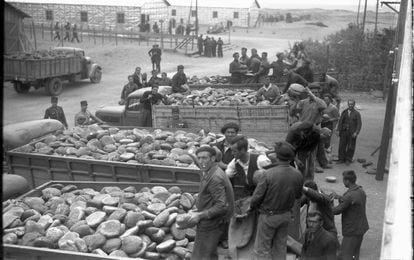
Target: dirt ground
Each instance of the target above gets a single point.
(119, 61)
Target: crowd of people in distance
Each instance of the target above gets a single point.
(210, 47)
(70, 30)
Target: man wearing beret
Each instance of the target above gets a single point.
(179, 81)
(274, 198)
(84, 117)
(56, 112)
(229, 130)
(215, 205)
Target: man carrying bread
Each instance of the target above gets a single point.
(215, 205)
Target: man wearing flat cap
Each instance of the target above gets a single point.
(179, 81)
(215, 205)
(229, 130)
(56, 112)
(84, 117)
(274, 198)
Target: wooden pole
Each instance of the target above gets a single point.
(359, 6)
(116, 39)
(34, 34)
(51, 31)
(43, 31)
(364, 17)
(103, 35)
(94, 35)
(81, 33)
(391, 101)
(376, 18)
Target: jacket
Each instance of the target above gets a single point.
(324, 206)
(240, 177)
(350, 123)
(352, 207)
(277, 189)
(323, 246)
(227, 155)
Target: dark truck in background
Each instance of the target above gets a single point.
(49, 69)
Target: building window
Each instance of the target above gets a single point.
(120, 18)
(84, 16)
(215, 14)
(236, 15)
(49, 15)
(193, 13)
(173, 12)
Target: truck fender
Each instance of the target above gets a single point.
(93, 68)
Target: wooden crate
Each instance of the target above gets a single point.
(163, 116)
(213, 118)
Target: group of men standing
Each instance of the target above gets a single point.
(271, 188)
(209, 47)
(68, 30)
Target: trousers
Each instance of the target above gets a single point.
(346, 148)
(205, 243)
(308, 161)
(350, 247)
(271, 236)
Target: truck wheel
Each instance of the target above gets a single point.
(20, 87)
(54, 87)
(97, 76)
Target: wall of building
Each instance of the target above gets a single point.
(156, 10)
(12, 30)
(98, 16)
(205, 15)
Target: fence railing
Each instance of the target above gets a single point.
(102, 35)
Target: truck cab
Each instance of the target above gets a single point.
(125, 115)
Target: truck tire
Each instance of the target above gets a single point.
(97, 76)
(20, 87)
(54, 87)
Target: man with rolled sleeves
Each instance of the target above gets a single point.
(274, 198)
(56, 112)
(84, 117)
(215, 205)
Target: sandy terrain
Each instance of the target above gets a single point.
(119, 61)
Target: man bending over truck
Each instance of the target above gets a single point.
(84, 117)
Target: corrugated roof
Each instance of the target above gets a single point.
(23, 14)
(214, 3)
(137, 3)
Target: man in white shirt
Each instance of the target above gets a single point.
(242, 168)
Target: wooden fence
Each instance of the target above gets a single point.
(102, 35)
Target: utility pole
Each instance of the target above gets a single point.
(376, 18)
(365, 14)
(196, 21)
(359, 6)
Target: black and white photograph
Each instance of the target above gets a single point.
(207, 129)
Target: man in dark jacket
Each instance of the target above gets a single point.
(154, 79)
(179, 81)
(213, 47)
(349, 126)
(149, 98)
(278, 68)
(155, 54)
(241, 169)
(215, 206)
(319, 244)
(220, 48)
(128, 89)
(354, 219)
(56, 112)
(200, 44)
(229, 130)
(305, 71)
(305, 137)
(274, 198)
(139, 78)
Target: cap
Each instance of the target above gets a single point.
(230, 125)
(180, 67)
(209, 149)
(234, 54)
(279, 54)
(84, 103)
(314, 85)
(284, 151)
(54, 99)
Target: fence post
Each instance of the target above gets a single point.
(51, 31)
(103, 35)
(116, 39)
(81, 33)
(89, 34)
(43, 32)
(130, 38)
(94, 35)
